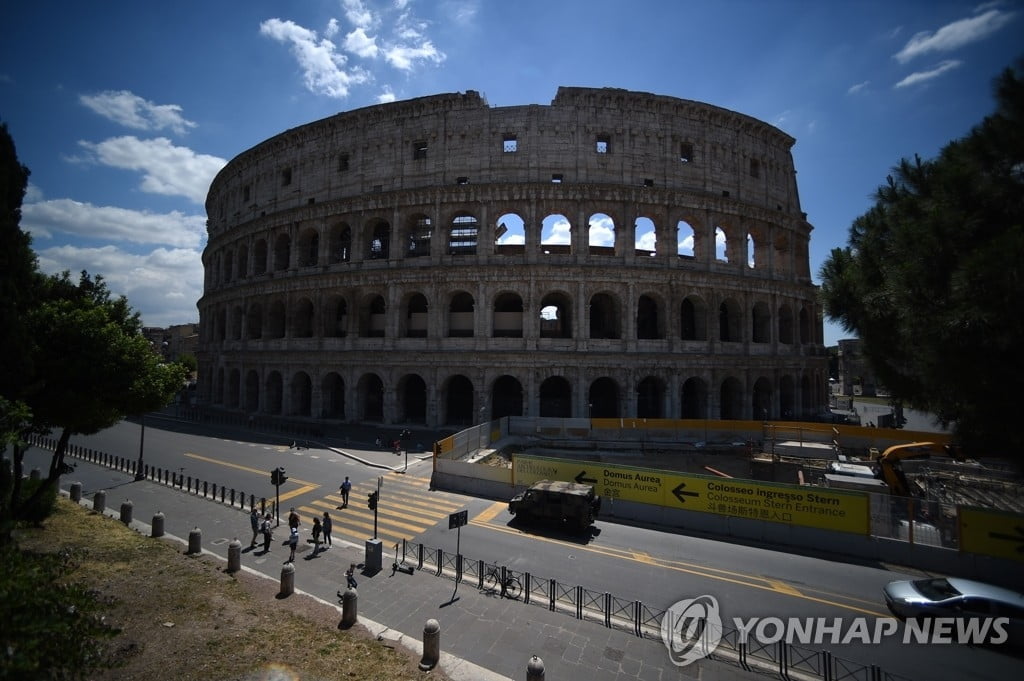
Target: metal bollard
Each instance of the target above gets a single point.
(234, 555)
(99, 501)
(535, 669)
(126, 512)
(287, 579)
(195, 541)
(76, 492)
(158, 524)
(349, 608)
(431, 645)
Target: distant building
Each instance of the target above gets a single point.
(174, 341)
(856, 377)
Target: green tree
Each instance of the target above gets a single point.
(931, 279)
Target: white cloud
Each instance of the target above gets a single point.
(601, 231)
(923, 76)
(357, 13)
(386, 95)
(167, 169)
(854, 89)
(555, 232)
(954, 35)
(66, 216)
(322, 64)
(134, 112)
(361, 45)
(402, 56)
(163, 285)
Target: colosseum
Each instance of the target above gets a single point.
(440, 262)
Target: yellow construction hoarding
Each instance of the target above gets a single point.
(988, 532)
(822, 508)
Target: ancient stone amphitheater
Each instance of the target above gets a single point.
(438, 261)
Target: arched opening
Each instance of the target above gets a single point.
(762, 399)
(282, 252)
(555, 320)
(604, 316)
(721, 245)
(693, 319)
(761, 323)
(694, 399)
(380, 240)
(650, 397)
(463, 234)
(601, 235)
(252, 391)
(787, 398)
(243, 262)
(274, 393)
(336, 318)
(412, 399)
(648, 319)
(729, 322)
(372, 317)
(229, 266)
(645, 238)
(332, 396)
(254, 322)
(302, 325)
(458, 401)
(371, 398)
(302, 394)
(684, 239)
(460, 315)
(508, 316)
(236, 322)
(786, 324)
(730, 400)
(419, 232)
(751, 250)
(276, 320)
(805, 326)
(510, 235)
(555, 398)
(506, 397)
(555, 235)
(416, 316)
(603, 399)
(341, 243)
(309, 248)
(234, 389)
(259, 257)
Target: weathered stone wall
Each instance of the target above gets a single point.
(356, 270)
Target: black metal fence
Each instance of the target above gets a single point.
(642, 619)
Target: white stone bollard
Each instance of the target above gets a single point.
(76, 492)
(349, 608)
(431, 645)
(99, 501)
(535, 669)
(234, 555)
(158, 524)
(287, 579)
(195, 541)
(126, 512)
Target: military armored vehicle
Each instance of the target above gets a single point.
(557, 503)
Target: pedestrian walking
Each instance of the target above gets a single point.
(350, 576)
(293, 520)
(327, 526)
(254, 520)
(293, 543)
(316, 535)
(266, 528)
(346, 487)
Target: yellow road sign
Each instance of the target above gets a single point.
(999, 534)
(792, 504)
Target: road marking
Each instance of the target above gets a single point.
(305, 487)
(490, 513)
(782, 587)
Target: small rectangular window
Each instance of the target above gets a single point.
(342, 162)
(286, 177)
(246, 193)
(755, 168)
(603, 145)
(556, 178)
(462, 180)
(686, 152)
(510, 145)
(378, 188)
(648, 182)
(419, 150)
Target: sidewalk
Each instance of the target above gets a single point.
(483, 637)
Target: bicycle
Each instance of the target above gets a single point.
(510, 587)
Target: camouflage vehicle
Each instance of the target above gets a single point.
(557, 503)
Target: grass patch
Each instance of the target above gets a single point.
(184, 617)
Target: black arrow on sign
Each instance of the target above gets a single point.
(581, 479)
(678, 491)
(1019, 537)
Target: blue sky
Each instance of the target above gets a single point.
(125, 110)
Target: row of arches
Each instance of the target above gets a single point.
(755, 245)
(456, 400)
(606, 314)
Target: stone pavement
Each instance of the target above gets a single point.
(482, 636)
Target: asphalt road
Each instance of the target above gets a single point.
(651, 565)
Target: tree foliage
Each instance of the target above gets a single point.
(932, 278)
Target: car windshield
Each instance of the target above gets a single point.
(936, 589)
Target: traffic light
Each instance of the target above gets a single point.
(371, 500)
(277, 476)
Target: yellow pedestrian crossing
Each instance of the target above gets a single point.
(407, 508)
